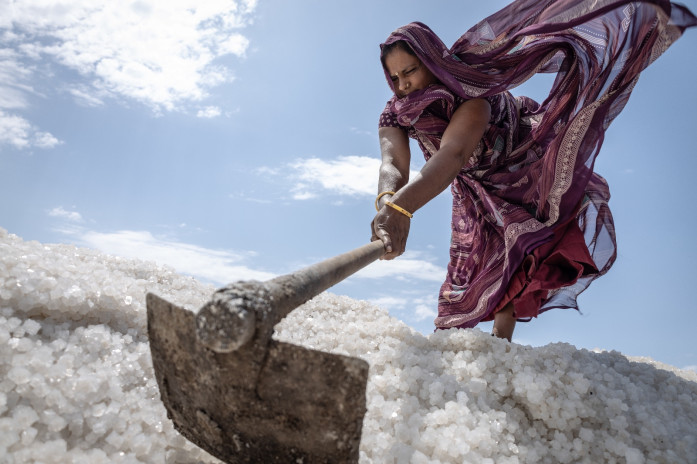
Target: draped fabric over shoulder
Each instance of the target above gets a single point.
(531, 222)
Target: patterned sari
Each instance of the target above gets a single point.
(530, 222)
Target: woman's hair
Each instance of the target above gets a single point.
(389, 48)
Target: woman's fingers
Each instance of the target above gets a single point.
(393, 230)
(386, 239)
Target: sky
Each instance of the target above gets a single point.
(237, 139)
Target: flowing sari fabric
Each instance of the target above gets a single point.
(529, 193)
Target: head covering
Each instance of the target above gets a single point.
(596, 48)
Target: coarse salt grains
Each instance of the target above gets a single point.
(78, 386)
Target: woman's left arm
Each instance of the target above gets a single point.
(465, 130)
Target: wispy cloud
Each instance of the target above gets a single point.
(425, 311)
(13, 77)
(214, 265)
(411, 265)
(218, 266)
(345, 175)
(20, 133)
(414, 309)
(60, 212)
(87, 97)
(161, 54)
(358, 131)
(209, 112)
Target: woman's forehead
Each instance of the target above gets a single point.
(398, 59)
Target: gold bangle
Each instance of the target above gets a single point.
(380, 196)
(400, 209)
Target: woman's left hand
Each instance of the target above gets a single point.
(392, 227)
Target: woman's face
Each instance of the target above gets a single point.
(407, 72)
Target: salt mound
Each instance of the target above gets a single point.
(77, 381)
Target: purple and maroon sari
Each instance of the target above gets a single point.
(531, 223)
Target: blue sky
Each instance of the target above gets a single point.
(238, 140)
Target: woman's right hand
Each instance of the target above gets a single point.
(392, 227)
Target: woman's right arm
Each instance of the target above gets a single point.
(394, 170)
(394, 174)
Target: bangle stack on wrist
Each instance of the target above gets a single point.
(380, 196)
(400, 209)
(392, 205)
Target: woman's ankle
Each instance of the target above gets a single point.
(504, 323)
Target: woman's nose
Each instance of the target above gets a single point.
(403, 84)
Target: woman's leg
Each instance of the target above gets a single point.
(504, 323)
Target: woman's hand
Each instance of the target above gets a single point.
(392, 227)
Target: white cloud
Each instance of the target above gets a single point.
(209, 112)
(45, 140)
(14, 130)
(416, 309)
(358, 131)
(12, 76)
(85, 96)
(11, 97)
(389, 302)
(64, 214)
(301, 193)
(345, 175)
(407, 266)
(162, 54)
(218, 266)
(20, 133)
(423, 312)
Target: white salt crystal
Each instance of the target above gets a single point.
(12, 323)
(19, 375)
(8, 433)
(476, 385)
(634, 456)
(24, 416)
(27, 436)
(31, 327)
(21, 345)
(115, 439)
(53, 421)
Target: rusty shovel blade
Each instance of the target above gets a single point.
(265, 400)
(296, 405)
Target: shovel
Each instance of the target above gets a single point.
(243, 397)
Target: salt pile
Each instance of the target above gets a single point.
(77, 382)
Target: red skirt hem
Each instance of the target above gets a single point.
(556, 264)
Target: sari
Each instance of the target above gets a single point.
(530, 218)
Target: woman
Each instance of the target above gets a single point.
(531, 227)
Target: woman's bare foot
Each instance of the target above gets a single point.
(504, 323)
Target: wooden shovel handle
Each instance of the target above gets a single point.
(242, 311)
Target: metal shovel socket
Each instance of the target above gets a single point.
(243, 397)
(236, 312)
